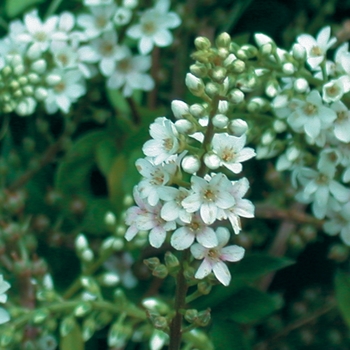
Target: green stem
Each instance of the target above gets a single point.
(52, 8)
(180, 302)
(193, 296)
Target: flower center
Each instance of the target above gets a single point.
(60, 87)
(40, 36)
(125, 65)
(310, 109)
(101, 21)
(209, 195)
(333, 90)
(148, 28)
(315, 51)
(213, 254)
(63, 59)
(342, 116)
(107, 49)
(322, 179)
(168, 144)
(228, 155)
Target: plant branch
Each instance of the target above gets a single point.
(180, 301)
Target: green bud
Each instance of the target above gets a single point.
(171, 261)
(250, 51)
(223, 40)
(6, 71)
(88, 328)
(204, 287)
(159, 322)
(203, 318)
(151, 263)
(199, 70)
(160, 271)
(82, 309)
(211, 89)
(237, 66)
(241, 54)
(202, 43)
(19, 70)
(40, 316)
(67, 325)
(191, 315)
(236, 96)
(218, 74)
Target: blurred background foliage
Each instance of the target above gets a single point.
(66, 172)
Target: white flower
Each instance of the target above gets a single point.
(339, 223)
(153, 28)
(165, 140)
(4, 286)
(97, 2)
(122, 16)
(172, 208)
(311, 115)
(209, 196)
(105, 51)
(184, 236)
(40, 34)
(318, 187)
(335, 89)
(99, 22)
(130, 73)
(342, 123)
(66, 92)
(213, 258)
(155, 176)
(242, 207)
(316, 48)
(231, 152)
(146, 217)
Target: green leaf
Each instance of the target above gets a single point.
(249, 305)
(226, 334)
(105, 153)
(342, 293)
(16, 7)
(73, 339)
(73, 174)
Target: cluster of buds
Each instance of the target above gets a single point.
(208, 143)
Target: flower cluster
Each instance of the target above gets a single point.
(182, 196)
(313, 121)
(50, 60)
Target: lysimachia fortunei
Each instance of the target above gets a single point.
(186, 191)
(311, 103)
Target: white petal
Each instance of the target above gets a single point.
(222, 273)
(181, 239)
(204, 269)
(232, 253)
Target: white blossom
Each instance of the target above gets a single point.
(231, 151)
(209, 196)
(155, 176)
(154, 26)
(316, 48)
(130, 74)
(213, 258)
(342, 123)
(184, 236)
(165, 140)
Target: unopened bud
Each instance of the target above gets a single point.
(195, 84)
(199, 70)
(223, 40)
(212, 161)
(171, 261)
(299, 52)
(39, 66)
(236, 96)
(179, 108)
(220, 121)
(202, 43)
(110, 219)
(190, 164)
(301, 85)
(81, 243)
(184, 126)
(211, 89)
(218, 74)
(288, 68)
(238, 66)
(53, 79)
(40, 93)
(87, 255)
(160, 271)
(197, 110)
(238, 127)
(19, 70)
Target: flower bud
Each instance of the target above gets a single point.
(238, 127)
(267, 138)
(110, 219)
(211, 89)
(190, 164)
(267, 49)
(110, 279)
(236, 96)
(184, 126)
(81, 243)
(191, 315)
(19, 70)
(301, 85)
(39, 66)
(28, 90)
(87, 255)
(160, 271)
(288, 68)
(218, 74)
(179, 108)
(199, 70)
(195, 84)
(220, 121)
(279, 126)
(223, 40)
(271, 89)
(53, 79)
(238, 66)
(262, 39)
(229, 60)
(34, 52)
(26, 106)
(171, 261)
(211, 160)
(202, 43)
(197, 110)
(33, 78)
(82, 309)
(250, 51)
(299, 52)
